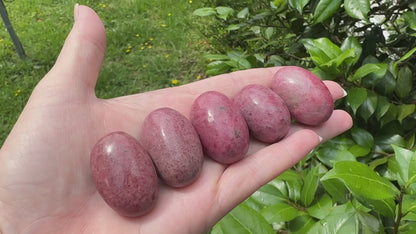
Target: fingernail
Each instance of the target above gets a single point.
(76, 11)
(320, 138)
(345, 93)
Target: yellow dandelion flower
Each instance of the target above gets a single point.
(103, 5)
(167, 55)
(175, 81)
(191, 1)
(149, 47)
(142, 48)
(137, 35)
(151, 39)
(17, 92)
(169, 14)
(163, 25)
(1, 39)
(144, 65)
(198, 77)
(146, 43)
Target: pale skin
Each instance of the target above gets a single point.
(45, 180)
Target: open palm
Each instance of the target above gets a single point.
(45, 180)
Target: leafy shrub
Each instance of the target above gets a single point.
(364, 180)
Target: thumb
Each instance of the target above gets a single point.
(79, 62)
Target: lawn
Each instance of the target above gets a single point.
(150, 45)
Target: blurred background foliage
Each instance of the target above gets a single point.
(150, 45)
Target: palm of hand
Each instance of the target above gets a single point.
(45, 182)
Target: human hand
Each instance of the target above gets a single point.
(45, 180)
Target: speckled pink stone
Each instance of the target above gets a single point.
(124, 174)
(307, 97)
(174, 145)
(221, 127)
(266, 114)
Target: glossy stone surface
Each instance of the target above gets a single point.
(174, 145)
(124, 174)
(221, 127)
(308, 99)
(266, 114)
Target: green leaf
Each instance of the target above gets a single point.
(409, 203)
(268, 33)
(405, 111)
(253, 204)
(385, 207)
(368, 108)
(377, 162)
(310, 186)
(268, 195)
(390, 115)
(279, 5)
(235, 55)
(357, 9)
(256, 29)
(233, 27)
(242, 220)
(406, 56)
(243, 13)
(336, 189)
(322, 50)
(387, 84)
(280, 212)
(217, 67)
(322, 208)
(329, 156)
(322, 74)
(344, 56)
(344, 155)
(205, 11)
(404, 82)
(224, 12)
(362, 137)
(281, 185)
(410, 226)
(359, 151)
(325, 9)
(293, 182)
(298, 4)
(379, 69)
(334, 150)
(394, 171)
(406, 162)
(216, 57)
(410, 18)
(301, 224)
(383, 143)
(383, 106)
(362, 181)
(351, 43)
(356, 97)
(238, 60)
(369, 223)
(341, 220)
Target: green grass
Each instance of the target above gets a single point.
(150, 45)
